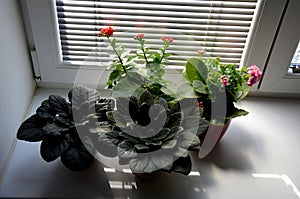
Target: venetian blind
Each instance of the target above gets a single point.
(220, 27)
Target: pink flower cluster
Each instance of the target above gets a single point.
(224, 80)
(168, 39)
(139, 36)
(255, 75)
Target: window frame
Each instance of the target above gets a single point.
(276, 77)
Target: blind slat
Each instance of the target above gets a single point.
(143, 12)
(220, 27)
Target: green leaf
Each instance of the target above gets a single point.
(113, 42)
(139, 165)
(167, 54)
(154, 143)
(199, 87)
(150, 164)
(80, 94)
(145, 97)
(58, 104)
(77, 158)
(128, 85)
(116, 118)
(186, 91)
(162, 102)
(181, 152)
(126, 150)
(237, 113)
(141, 147)
(162, 134)
(169, 144)
(130, 138)
(45, 111)
(113, 77)
(186, 140)
(54, 129)
(125, 53)
(183, 165)
(174, 132)
(31, 130)
(190, 122)
(174, 120)
(202, 127)
(196, 70)
(52, 147)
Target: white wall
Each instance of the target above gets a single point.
(16, 83)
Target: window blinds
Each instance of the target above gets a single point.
(220, 27)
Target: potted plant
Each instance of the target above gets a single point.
(150, 129)
(218, 87)
(149, 123)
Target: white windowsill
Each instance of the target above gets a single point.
(257, 158)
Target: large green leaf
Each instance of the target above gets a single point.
(199, 87)
(79, 94)
(31, 129)
(186, 91)
(139, 165)
(129, 85)
(45, 111)
(77, 158)
(196, 70)
(187, 139)
(150, 163)
(52, 147)
(59, 104)
(54, 129)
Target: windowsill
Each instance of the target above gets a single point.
(255, 159)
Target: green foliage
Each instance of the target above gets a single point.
(151, 68)
(56, 124)
(205, 77)
(152, 135)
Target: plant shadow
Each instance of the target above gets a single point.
(232, 153)
(90, 183)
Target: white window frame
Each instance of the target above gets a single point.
(46, 46)
(276, 77)
(42, 19)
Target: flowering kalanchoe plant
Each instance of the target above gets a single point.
(145, 66)
(210, 79)
(150, 129)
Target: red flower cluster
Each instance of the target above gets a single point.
(106, 32)
(255, 75)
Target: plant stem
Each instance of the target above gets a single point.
(119, 57)
(163, 52)
(144, 52)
